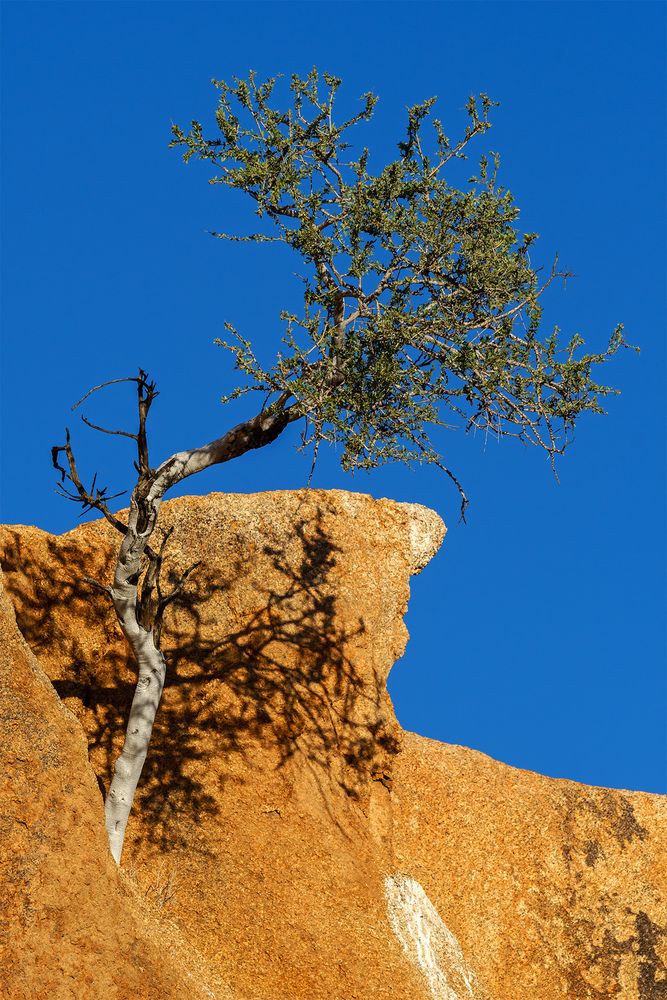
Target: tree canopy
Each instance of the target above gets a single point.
(421, 308)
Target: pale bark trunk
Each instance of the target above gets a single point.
(142, 519)
(129, 765)
(150, 682)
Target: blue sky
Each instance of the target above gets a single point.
(537, 634)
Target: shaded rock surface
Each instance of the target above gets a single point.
(72, 925)
(287, 827)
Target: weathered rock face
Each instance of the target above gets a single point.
(71, 924)
(553, 889)
(299, 840)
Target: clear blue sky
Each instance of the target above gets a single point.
(538, 632)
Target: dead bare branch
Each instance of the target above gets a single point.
(103, 588)
(93, 499)
(103, 385)
(105, 430)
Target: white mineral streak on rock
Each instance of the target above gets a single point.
(427, 532)
(427, 942)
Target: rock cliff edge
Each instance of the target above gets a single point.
(289, 840)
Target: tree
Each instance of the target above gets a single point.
(421, 311)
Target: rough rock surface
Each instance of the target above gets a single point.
(72, 925)
(304, 844)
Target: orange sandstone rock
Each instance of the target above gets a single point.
(72, 926)
(298, 839)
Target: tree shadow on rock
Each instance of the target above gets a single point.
(261, 666)
(71, 630)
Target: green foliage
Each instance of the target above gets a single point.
(420, 307)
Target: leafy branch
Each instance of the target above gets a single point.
(421, 308)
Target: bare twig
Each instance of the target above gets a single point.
(93, 499)
(101, 587)
(102, 385)
(105, 430)
(168, 599)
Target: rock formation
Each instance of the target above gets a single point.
(72, 925)
(286, 829)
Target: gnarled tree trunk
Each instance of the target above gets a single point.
(150, 682)
(136, 591)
